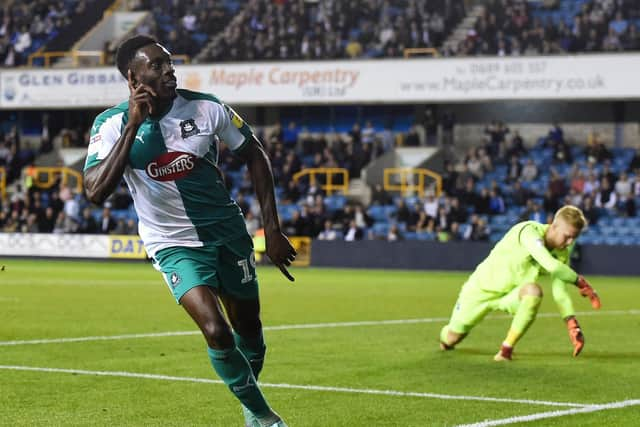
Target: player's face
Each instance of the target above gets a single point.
(154, 68)
(561, 234)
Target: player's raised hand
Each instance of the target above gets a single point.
(587, 291)
(140, 100)
(281, 252)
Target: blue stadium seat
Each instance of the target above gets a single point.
(422, 235)
(286, 211)
(335, 202)
(378, 213)
(410, 235)
(380, 229)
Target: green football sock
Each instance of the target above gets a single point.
(524, 317)
(254, 350)
(235, 371)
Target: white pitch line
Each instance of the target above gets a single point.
(299, 326)
(553, 414)
(298, 387)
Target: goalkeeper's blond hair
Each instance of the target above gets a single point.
(572, 215)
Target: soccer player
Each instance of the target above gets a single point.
(507, 281)
(164, 142)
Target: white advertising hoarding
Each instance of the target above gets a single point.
(71, 245)
(370, 81)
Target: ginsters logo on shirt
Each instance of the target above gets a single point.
(171, 166)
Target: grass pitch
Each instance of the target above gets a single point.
(104, 344)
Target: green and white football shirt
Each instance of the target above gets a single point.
(177, 191)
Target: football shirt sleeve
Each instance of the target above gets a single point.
(233, 131)
(562, 298)
(105, 132)
(533, 242)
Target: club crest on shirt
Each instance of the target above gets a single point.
(188, 128)
(175, 279)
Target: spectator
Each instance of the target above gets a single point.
(529, 171)
(496, 203)
(379, 196)
(590, 211)
(87, 224)
(431, 205)
(514, 169)
(479, 231)
(430, 124)
(353, 232)
(605, 197)
(328, 232)
(107, 223)
(394, 234)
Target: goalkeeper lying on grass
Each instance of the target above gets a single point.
(507, 281)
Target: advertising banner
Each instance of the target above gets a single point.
(54, 245)
(340, 82)
(126, 247)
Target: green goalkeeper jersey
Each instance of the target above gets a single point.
(521, 257)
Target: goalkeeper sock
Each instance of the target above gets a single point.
(253, 350)
(234, 369)
(524, 317)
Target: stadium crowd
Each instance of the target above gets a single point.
(290, 30)
(514, 28)
(25, 26)
(500, 178)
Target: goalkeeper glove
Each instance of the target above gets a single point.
(575, 335)
(587, 291)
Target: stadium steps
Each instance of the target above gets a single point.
(359, 191)
(206, 50)
(79, 26)
(461, 31)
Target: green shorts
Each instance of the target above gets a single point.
(475, 303)
(230, 268)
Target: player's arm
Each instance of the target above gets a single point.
(562, 298)
(102, 179)
(534, 244)
(237, 134)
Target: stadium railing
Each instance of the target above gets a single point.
(91, 57)
(329, 187)
(3, 183)
(47, 177)
(84, 58)
(404, 180)
(421, 51)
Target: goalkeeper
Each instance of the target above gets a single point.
(507, 281)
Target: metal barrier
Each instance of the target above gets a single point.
(84, 58)
(414, 51)
(3, 183)
(76, 55)
(329, 187)
(407, 183)
(47, 177)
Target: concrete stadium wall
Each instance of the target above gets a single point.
(456, 256)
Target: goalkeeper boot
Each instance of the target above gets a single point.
(575, 335)
(505, 353)
(445, 347)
